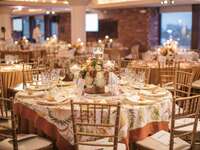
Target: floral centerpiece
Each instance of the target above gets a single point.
(78, 47)
(169, 50)
(23, 43)
(95, 76)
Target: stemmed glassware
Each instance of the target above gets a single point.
(62, 74)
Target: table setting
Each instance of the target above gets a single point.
(145, 107)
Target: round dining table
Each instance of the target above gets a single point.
(11, 75)
(144, 111)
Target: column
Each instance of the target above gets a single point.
(195, 27)
(78, 23)
(5, 15)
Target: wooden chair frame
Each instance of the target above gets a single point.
(32, 69)
(145, 69)
(88, 121)
(183, 83)
(190, 109)
(8, 102)
(167, 72)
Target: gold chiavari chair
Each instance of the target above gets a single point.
(96, 117)
(116, 56)
(1, 87)
(144, 69)
(167, 74)
(196, 81)
(5, 115)
(190, 109)
(183, 83)
(30, 70)
(20, 141)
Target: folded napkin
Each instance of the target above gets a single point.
(162, 136)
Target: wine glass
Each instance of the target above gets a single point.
(141, 78)
(62, 74)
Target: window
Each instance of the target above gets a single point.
(54, 28)
(17, 24)
(26, 29)
(177, 26)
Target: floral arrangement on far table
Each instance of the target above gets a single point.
(169, 50)
(23, 43)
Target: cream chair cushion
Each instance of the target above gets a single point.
(121, 146)
(27, 142)
(196, 84)
(153, 144)
(187, 128)
(6, 124)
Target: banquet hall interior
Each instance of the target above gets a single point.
(99, 74)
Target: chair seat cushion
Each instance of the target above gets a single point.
(5, 124)
(121, 146)
(153, 144)
(196, 84)
(27, 142)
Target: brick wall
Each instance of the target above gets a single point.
(135, 26)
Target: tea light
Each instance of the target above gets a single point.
(82, 43)
(99, 41)
(78, 40)
(24, 38)
(69, 45)
(106, 37)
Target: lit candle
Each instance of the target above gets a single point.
(69, 45)
(99, 41)
(106, 37)
(82, 43)
(78, 40)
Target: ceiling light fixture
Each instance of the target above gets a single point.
(167, 2)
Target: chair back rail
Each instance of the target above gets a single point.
(8, 107)
(190, 109)
(98, 116)
(183, 83)
(31, 69)
(167, 72)
(144, 69)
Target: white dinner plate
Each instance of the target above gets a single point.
(143, 87)
(39, 87)
(158, 93)
(25, 94)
